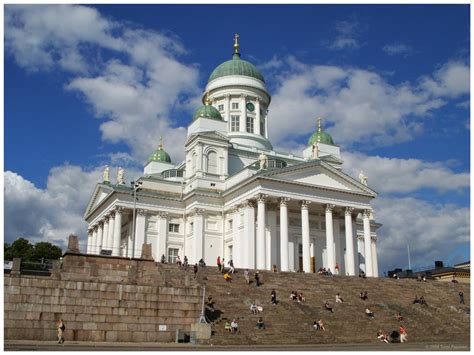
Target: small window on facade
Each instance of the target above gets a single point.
(173, 227)
(234, 123)
(250, 124)
(262, 128)
(235, 106)
(230, 224)
(221, 108)
(172, 255)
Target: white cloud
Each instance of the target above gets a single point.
(348, 34)
(394, 175)
(451, 80)
(51, 214)
(432, 231)
(398, 49)
(362, 106)
(134, 93)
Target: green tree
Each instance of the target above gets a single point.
(20, 248)
(45, 250)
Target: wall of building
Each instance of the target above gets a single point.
(101, 299)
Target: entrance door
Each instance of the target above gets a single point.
(312, 266)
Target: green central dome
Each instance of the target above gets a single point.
(320, 136)
(160, 155)
(207, 111)
(236, 66)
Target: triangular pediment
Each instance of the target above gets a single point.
(319, 174)
(101, 192)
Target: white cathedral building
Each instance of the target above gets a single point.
(237, 198)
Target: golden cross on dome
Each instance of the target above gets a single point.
(207, 102)
(319, 124)
(236, 43)
(161, 142)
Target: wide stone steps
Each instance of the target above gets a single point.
(290, 322)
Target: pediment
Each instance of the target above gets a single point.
(319, 174)
(101, 192)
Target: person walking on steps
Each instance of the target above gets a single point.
(461, 297)
(61, 327)
(219, 263)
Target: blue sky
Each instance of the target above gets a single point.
(95, 85)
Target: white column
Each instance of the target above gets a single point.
(199, 158)
(367, 244)
(272, 238)
(261, 252)
(375, 264)
(350, 267)
(237, 246)
(284, 260)
(117, 232)
(243, 111)
(257, 116)
(361, 251)
(227, 111)
(140, 224)
(93, 249)
(249, 235)
(266, 123)
(330, 253)
(305, 235)
(162, 235)
(110, 236)
(90, 232)
(100, 233)
(105, 235)
(198, 236)
(130, 241)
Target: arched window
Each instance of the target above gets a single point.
(212, 163)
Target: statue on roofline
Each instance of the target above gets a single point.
(120, 176)
(106, 174)
(362, 178)
(263, 160)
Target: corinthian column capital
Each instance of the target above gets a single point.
(330, 207)
(348, 211)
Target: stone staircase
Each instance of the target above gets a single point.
(290, 322)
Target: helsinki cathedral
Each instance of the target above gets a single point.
(235, 197)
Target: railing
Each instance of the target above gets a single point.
(36, 268)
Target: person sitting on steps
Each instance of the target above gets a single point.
(235, 326)
(227, 327)
(399, 317)
(227, 277)
(416, 300)
(163, 259)
(321, 325)
(253, 308)
(301, 298)
(202, 263)
(339, 298)
(422, 301)
(369, 313)
(364, 296)
(260, 324)
(328, 307)
(293, 296)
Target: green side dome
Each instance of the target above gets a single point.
(320, 136)
(160, 155)
(236, 66)
(207, 111)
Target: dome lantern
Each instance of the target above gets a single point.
(320, 136)
(160, 155)
(236, 66)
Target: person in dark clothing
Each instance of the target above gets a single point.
(328, 307)
(195, 269)
(274, 297)
(260, 324)
(461, 297)
(257, 278)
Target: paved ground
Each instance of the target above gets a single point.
(26, 345)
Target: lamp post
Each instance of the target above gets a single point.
(136, 187)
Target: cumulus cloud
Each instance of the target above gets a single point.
(52, 213)
(134, 90)
(362, 106)
(432, 231)
(398, 49)
(401, 176)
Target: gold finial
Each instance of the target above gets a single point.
(236, 43)
(319, 124)
(207, 101)
(161, 142)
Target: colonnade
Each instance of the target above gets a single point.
(246, 256)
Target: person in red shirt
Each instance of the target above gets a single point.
(403, 334)
(219, 263)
